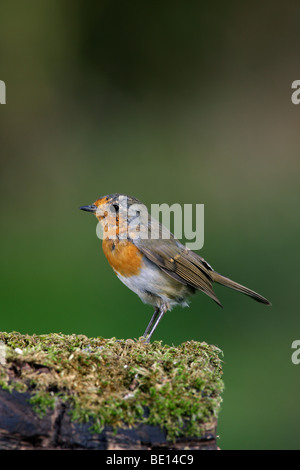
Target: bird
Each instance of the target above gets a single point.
(161, 270)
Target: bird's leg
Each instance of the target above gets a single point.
(157, 316)
(153, 318)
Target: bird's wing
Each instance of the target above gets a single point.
(176, 260)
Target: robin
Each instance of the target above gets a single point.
(159, 269)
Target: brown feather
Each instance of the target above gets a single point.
(185, 265)
(178, 262)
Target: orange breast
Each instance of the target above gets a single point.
(124, 257)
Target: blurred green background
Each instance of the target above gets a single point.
(169, 102)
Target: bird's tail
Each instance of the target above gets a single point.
(225, 281)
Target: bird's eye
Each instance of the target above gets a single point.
(116, 207)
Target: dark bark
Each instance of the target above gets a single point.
(21, 428)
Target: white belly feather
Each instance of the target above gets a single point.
(155, 287)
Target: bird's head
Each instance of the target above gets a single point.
(114, 210)
(112, 203)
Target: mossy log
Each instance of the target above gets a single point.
(73, 392)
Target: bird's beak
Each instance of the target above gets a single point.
(91, 208)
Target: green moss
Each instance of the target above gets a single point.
(117, 382)
(42, 401)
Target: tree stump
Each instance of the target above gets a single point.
(73, 392)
